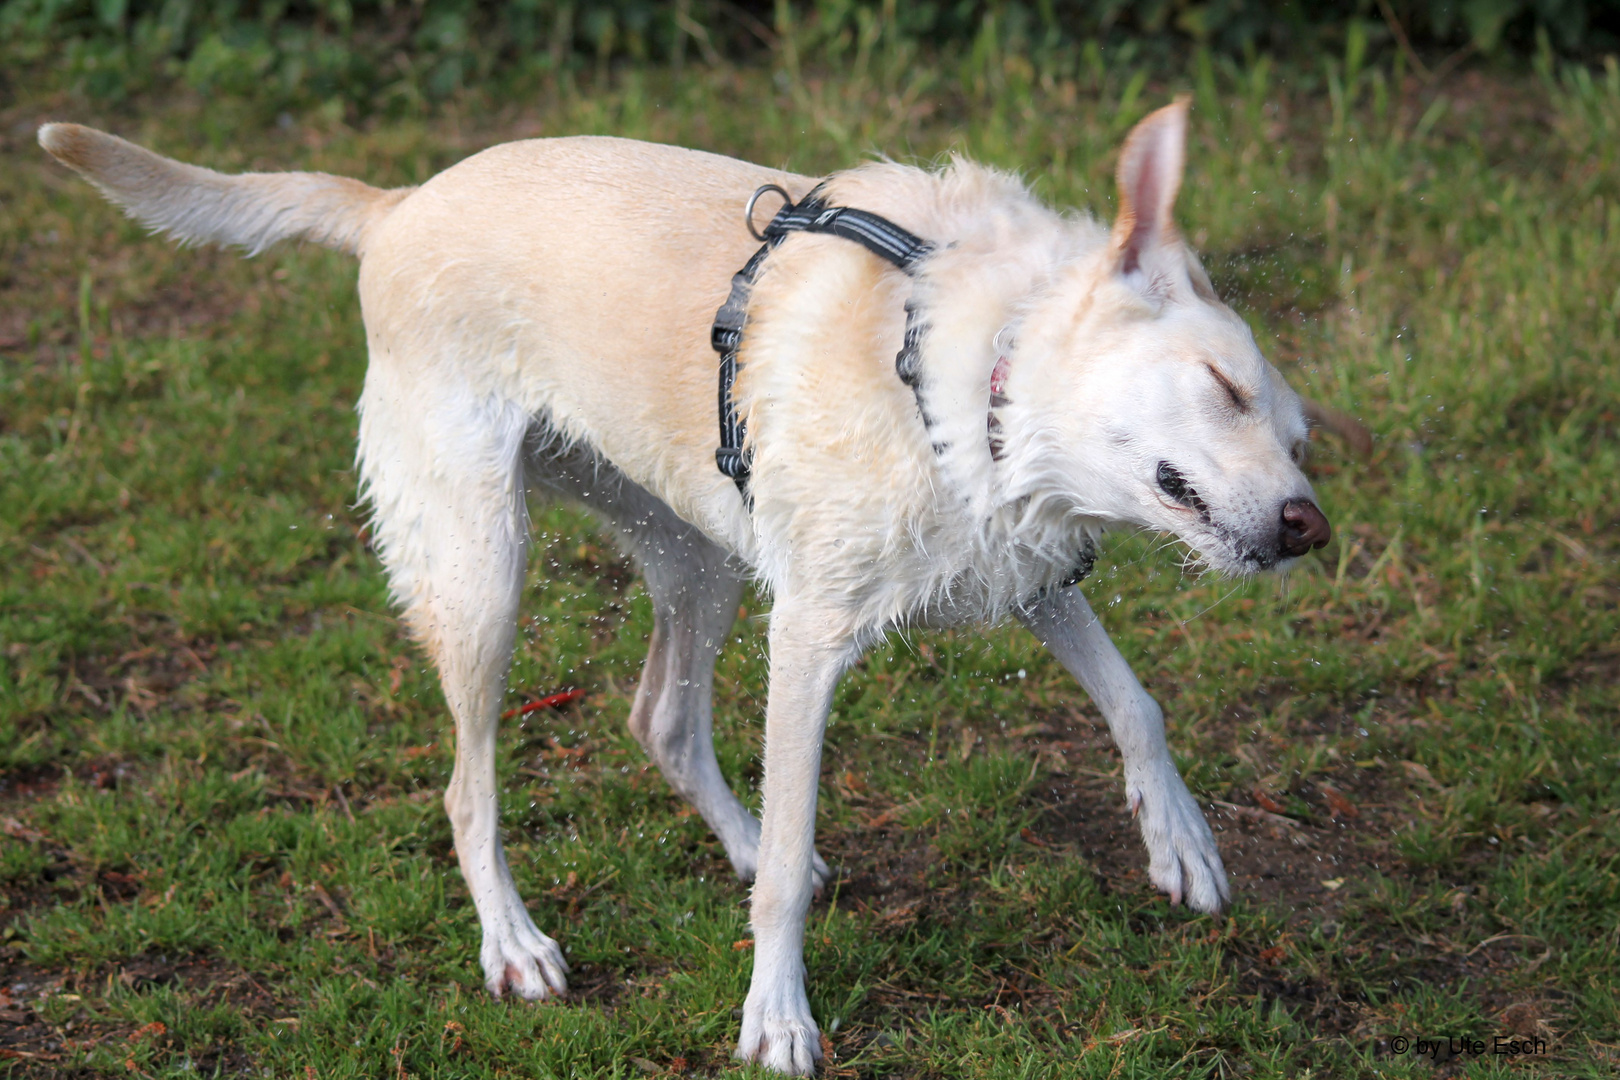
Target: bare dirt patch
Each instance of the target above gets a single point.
(1300, 851)
(1297, 863)
(42, 1027)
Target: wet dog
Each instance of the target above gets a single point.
(538, 318)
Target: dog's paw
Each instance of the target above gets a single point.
(820, 873)
(782, 1037)
(1182, 857)
(518, 958)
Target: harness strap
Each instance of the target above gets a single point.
(880, 236)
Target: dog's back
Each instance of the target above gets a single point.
(572, 277)
(576, 277)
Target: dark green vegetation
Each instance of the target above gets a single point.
(221, 846)
(366, 55)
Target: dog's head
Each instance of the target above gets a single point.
(1155, 405)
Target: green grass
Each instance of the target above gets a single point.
(220, 758)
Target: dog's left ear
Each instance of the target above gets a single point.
(1149, 176)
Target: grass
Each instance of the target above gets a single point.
(221, 844)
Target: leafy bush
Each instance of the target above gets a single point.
(389, 54)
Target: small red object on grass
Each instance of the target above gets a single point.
(550, 701)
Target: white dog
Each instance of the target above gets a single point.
(539, 315)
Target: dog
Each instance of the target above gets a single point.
(538, 317)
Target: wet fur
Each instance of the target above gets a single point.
(537, 320)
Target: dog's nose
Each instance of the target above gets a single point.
(1303, 527)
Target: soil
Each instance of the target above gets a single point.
(33, 1046)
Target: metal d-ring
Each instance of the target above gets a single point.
(748, 211)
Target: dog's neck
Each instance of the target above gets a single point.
(997, 507)
(962, 378)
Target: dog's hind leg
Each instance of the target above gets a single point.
(695, 591)
(442, 467)
(695, 596)
(1182, 858)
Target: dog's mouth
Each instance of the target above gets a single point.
(1181, 494)
(1215, 545)
(1223, 551)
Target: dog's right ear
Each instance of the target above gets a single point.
(1149, 177)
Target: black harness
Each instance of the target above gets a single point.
(882, 238)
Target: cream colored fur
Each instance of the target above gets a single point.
(538, 319)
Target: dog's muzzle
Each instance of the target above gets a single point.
(1304, 527)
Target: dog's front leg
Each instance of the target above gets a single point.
(1183, 859)
(809, 650)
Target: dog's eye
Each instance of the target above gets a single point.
(1298, 452)
(1240, 400)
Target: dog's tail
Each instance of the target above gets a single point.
(200, 206)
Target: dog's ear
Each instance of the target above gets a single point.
(1149, 176)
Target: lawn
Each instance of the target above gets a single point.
(222, 849)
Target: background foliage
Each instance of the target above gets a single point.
(395, 54)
